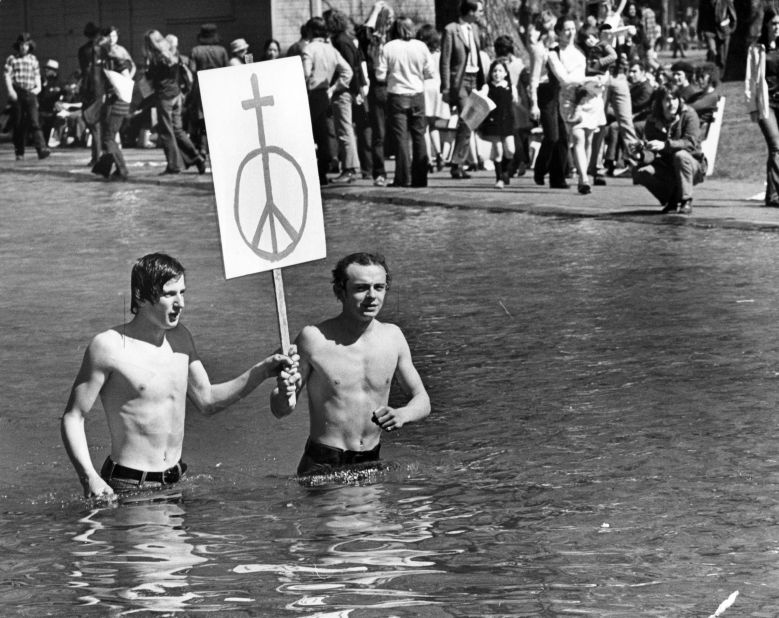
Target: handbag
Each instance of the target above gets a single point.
(91, 113)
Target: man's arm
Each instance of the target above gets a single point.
(418, 406)
(9, 86)
(343, 75)
(212, 398)
(86, 388)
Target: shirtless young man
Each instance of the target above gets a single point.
(348, 363)
(143, 372)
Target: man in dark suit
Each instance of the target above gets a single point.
(716, 22)
(461, 72)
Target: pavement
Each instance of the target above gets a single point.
(718, 202)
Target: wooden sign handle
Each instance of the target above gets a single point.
(281, 314)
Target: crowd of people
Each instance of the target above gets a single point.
(593, 91)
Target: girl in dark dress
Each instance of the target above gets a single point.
(498, 126)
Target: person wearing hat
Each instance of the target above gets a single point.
(50, 94)
(207, 54)
(238, 50)
(23, 83)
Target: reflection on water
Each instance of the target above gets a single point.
(351, 549)
(138, 553)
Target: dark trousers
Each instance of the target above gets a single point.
(552, 155)
(770, 129)
(26, 119)
(318, 105)
(377, 127)
(362, 132)
(407, 124)
(179, 150)
(717, 48)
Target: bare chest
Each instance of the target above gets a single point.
(148, 373)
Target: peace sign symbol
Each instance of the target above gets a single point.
(275, 234)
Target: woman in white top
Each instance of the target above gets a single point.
(434, 103)
(581, 106)
(405, 63)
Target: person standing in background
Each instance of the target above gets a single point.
(23, 83)
(207, 54)
(461, 72)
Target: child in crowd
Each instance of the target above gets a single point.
(498, 127)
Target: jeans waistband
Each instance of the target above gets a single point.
(167, 477)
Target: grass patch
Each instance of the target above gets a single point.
(742, 151)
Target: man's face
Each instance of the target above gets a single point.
(24, 49)
(679, 79)
(365, 289)
(636, 74)
(670, 106)
(475, 16)
(166, 312)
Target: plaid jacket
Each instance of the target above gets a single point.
(24, 70)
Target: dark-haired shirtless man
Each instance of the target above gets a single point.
(143, 372)
(348, 363)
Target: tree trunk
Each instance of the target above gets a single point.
(502, 17)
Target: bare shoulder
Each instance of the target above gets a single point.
(106, 343)
(391, 334)
(311, 336)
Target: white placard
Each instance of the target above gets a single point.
(264, 165)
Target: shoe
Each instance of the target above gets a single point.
(585, 189)
(671, 206)
(500, 184)
(521, 169)
(599, 181)
(117, 176)
(345, 177)
(366, 175)
(170, 171)
(200, 162)
(439, 163)
(506, 179)
(44, 153)
(459, 173)
(103, 166)
(685, 207)
(380, 181)
(559, 185)
(539, 180)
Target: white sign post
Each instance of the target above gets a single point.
(264, 168)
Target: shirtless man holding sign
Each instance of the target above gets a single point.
(143, 372)
(348, 363)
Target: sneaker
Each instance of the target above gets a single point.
(346, 176)
(685, 207)
(380, 181)
(500, 184)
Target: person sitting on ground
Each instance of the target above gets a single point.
(671, 162)
(705, 101)
(682, 74)
(641, 90)
(144, 371)
(348, 363)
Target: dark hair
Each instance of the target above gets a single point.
(429, 36)
(402, 28)
(558, 27)
(25, 37)
(90, 30)
(340, 277)
(469, 6)
(638, 61)
(504, 45)
(499, 61)
(684, 67)
(659, 95)
(149, 275)
(267, 45)
(768, 17)
(710, 69)
(337, 21)
(317, 29)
